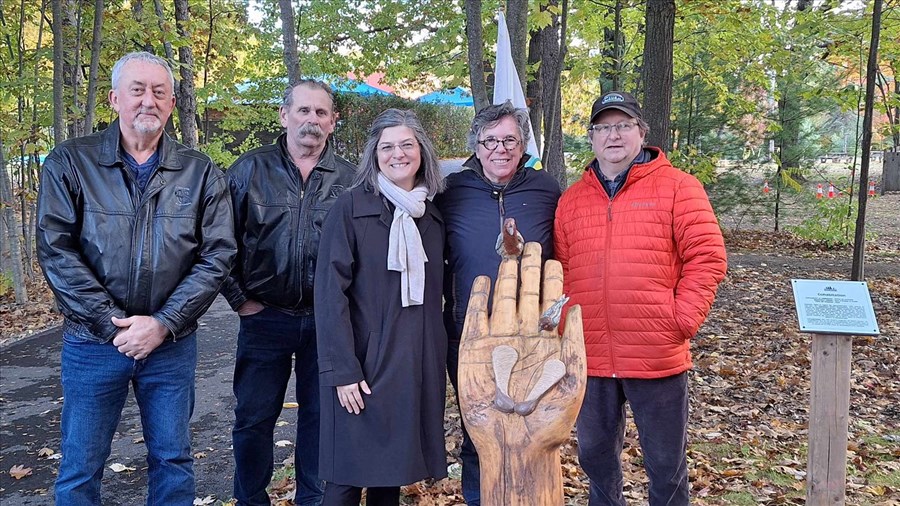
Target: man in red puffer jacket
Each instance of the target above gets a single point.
(642, 254)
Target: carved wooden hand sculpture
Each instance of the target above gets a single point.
(520, 387)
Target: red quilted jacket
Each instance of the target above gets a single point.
(644, 266)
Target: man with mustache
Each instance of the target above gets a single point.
(281, 194)
(135, 237)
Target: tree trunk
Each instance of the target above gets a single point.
(552, 57)
(206, 57)
(72, 65)
(95, 64)
(289, 37)
(893, 115)
(475, 41)
(533, 88)
(186, 100)
(167, 46)
(31, 174)
(857, 272)
(614, 43)
(59, 121)
(138, 10)
(12, 231)
(517, 24)
(656, 73)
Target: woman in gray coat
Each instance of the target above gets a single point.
(381, 343)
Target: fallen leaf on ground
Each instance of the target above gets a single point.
(45, 452)
(283, 443)
(118, 468)
(291, 405)
(204, 501)
(19, 472)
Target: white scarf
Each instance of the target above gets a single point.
(405, 251)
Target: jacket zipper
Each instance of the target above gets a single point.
(609, 218)
(612, 355)
(301, 244)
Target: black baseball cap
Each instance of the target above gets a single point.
(619, 100)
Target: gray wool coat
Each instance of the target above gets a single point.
(364, 333)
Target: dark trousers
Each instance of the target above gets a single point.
(660, 408)
(471, 470)
(267, 343)
(346, 495)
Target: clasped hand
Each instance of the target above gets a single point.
(138, 336)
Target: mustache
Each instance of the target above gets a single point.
(311, 129)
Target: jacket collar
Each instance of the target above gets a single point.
(326, 159)
(371, 205)
(635, 171)
(110, 146)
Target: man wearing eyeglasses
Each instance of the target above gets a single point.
(281, 194)
(643, 255)
(495, 184)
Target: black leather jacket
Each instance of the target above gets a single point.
(278, 224)
(108, 250)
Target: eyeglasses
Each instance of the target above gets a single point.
(492, 143)
(603, 129)
(406, 147)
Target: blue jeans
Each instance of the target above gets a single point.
(267, 341)
(95, 380)
(660, 408)
(471, 470)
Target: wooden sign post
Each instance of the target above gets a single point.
(520, 384)
(829, 408)
(833, 311)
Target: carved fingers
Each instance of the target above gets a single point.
(530, 291)
(503, 313)
(476, 324)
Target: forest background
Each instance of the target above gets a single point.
(741, 93)
(748, 85)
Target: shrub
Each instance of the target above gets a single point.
(447, 125)
(829, 223)
(736, 202)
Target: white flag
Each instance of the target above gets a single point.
(507, 85)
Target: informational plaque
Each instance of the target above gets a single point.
(834, 307)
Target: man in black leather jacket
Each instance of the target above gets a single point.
(134, 234)
(281, 194)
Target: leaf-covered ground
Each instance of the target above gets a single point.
(750, 385)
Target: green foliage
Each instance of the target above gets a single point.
(736, 201)
(446, 125)
(829, 223)
(6, 284)
(692, 161)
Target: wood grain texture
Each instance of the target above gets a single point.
(520, 454)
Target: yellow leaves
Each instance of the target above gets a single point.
(18, 472)
(290, 405)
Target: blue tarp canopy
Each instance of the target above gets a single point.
(338, 85)
(457, 96)
(360, 88)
